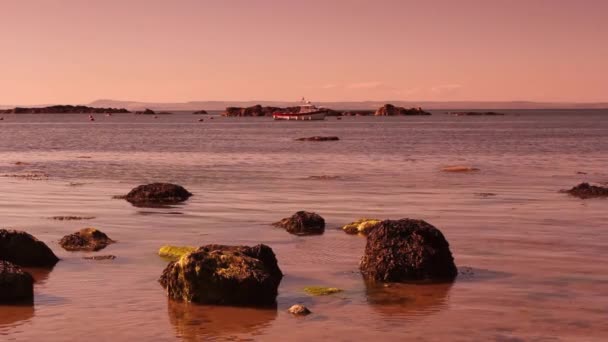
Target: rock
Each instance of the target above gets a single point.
(361, 226)
(87, 239)
(15, 284)
(175, 252)
(318, 138)
(22, 249)
(64, 109)
(321, 291)
(323, 177)
(299, 310)
(586, 190)
(303, 223)
(146, 112)
(407, 250)
(158, 193)
(258, 110)
(225, 275)
(459, 168)
(390, 110)
(199, 112)
(71, 218)
(100, 257)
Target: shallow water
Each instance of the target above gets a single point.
(532, 260)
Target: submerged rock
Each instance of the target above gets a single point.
(15, 284)
(407, 250)
(586, 190)
(224, 275)
(158, 193)
(459, 168)
(361, 226)
(175, 252)
(299, 310)
(303, 223)
(100, 257)
(319, 138)
(71, 218)
(321, 291)
(87, 239)
(23, 249)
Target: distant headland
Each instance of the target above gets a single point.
(63, 109)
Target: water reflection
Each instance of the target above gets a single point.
(15, 315)
(407, 300)
(194, 322)
(40, 275)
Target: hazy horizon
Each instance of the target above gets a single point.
(75, 52)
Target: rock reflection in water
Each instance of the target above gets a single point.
(15, 315)
(195, 322)
(407, 300)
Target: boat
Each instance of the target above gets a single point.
(306, 111)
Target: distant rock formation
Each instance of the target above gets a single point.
(63, 109)
(390, 110)
(198, 112)
(146, 112)
(258, 110)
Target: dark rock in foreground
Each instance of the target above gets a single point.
(303, 223)
(319, 138)
(15, 285)
(158, 193)
(63, 109)
(225, 275)
(390, 110)
(407, 250)
(87, 239)
(25, 250)
(586, 190)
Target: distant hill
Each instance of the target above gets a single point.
(369, 105)
(339, 105)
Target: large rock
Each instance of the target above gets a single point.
(87, 239)
(303, 223)
(25, 250)
(225, 275)
(586, 190)
(15, 284)
(407, 250)
(158, 193)
(391, 110)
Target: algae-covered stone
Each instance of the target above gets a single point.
(321, 291)
(407, 250)
(303, 223)
(23, 249)
(361, 226)
(224, 275)
(175, 252)
(87, 239)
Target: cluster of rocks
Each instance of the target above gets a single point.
(391, 110)
(63, 109)
(386, 110)
(20, 249)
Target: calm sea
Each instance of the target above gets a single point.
(533, 260)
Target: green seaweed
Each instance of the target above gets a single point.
(175, 252)
(361, 226)
(321, 290)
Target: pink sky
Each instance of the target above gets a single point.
(64, 51)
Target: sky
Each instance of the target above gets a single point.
(76, 51)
